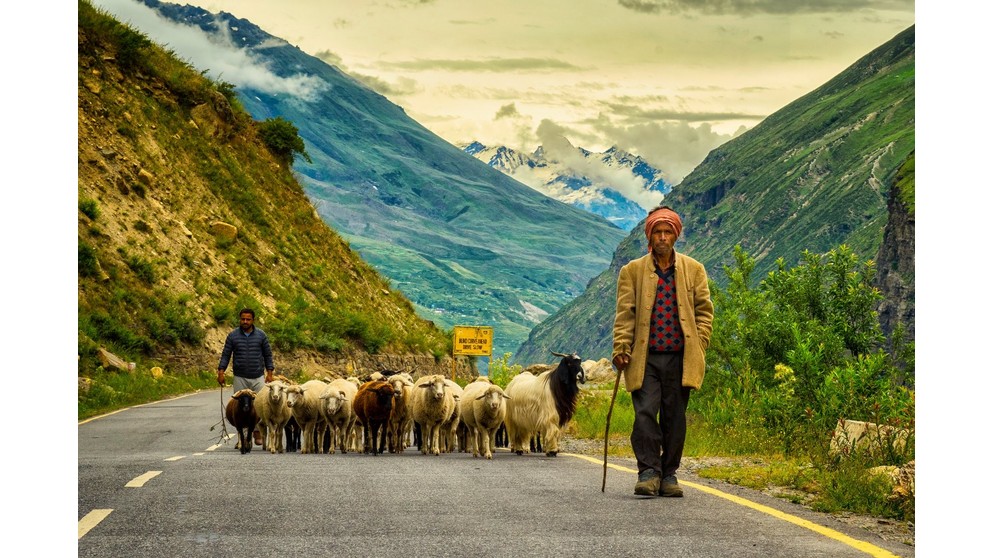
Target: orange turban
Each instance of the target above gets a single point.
(663, 215)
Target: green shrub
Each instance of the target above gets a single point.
(797, 352)
(501, 372)
(170, 321)
(89, 208)
(142, 268)
(102, 326)
(282, 138)
(87, 261)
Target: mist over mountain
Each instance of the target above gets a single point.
(466, 243)
(615, 185)
(816, 174)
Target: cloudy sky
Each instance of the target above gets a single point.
(666, 79)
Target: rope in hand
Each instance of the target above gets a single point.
(224, 436)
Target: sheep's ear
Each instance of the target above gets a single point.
(342, 394)
(425, 386)
(505, 396)
(480, 397)
(253, 394)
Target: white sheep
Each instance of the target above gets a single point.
(271, 405)
(483, 409)
(306, 411)
(400, 423)
(449, 428)
(339, 415)
(542, 404)
(433, 403)
(355, 436)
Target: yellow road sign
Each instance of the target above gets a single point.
(473, 341)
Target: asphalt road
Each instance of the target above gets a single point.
(191, 494)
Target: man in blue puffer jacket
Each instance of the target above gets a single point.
(252, 355)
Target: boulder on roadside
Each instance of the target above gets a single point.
(852, 436)
(598, 371)
(110, 360)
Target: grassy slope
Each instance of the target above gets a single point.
(162, 155)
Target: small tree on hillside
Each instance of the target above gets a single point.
(283, 139)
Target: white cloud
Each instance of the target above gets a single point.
(674, 147)
(216, 55)
(558, 148)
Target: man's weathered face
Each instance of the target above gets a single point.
(663, 239)
(247, 322)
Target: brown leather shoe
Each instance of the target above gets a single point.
(670, 487)
(648, 483)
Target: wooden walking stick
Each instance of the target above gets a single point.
(606, 437)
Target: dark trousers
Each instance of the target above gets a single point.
(658, 435)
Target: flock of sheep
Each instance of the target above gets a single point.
(390, 411)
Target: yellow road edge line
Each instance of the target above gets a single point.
(139, 481)
(863, 546)
(176, 458)
(91, 520)
(213, 447)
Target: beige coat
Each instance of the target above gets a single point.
(636, 291)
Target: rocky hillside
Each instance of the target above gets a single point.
(812, 176)
(185, 216)
(897, 255)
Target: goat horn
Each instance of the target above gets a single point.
(558, 354)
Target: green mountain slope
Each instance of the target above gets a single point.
(811, 176)
(164, 156)
(467, 244)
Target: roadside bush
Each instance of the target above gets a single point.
(501, 372)
(800, 350)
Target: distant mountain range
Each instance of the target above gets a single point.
(812, 176)
(601, 183)
(466, 243)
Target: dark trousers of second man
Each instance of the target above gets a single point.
(658, 434)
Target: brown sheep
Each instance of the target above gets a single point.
(372, 405)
